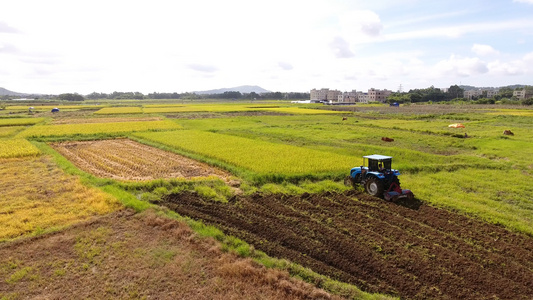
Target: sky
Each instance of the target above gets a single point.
(57, 46)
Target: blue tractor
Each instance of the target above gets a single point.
(378, 178)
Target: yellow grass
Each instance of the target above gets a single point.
(36, 196)
(17, 148)
(513, 112)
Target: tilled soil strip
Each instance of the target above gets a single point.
(379, 246)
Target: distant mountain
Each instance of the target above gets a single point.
(4, 92)
(243, 89)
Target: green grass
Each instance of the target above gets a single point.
(264, 158)
(97, 128)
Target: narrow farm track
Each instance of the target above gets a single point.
(416, 253)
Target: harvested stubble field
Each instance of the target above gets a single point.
(124, 159)
(143, 256)
(37, 196)
(410, 250)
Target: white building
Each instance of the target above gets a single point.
(522, 94)
(479, 93)
(334, 96)
(325, 95)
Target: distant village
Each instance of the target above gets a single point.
(328, 96)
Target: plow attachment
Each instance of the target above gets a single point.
(395, 192)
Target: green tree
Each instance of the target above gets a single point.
(455, 92)
(71, 97)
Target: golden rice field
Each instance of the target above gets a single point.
(119, 110)
(255, 155)
(20, 121)
(17, 148)
(124, 159)
(49, 107)
(97, 128)
(7, 131)
(36, 196)
(213, 108)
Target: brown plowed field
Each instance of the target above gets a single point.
(125, 159)
(411, 250)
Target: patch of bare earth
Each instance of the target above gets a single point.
(404, 249)
(124, 159)
(139, 256)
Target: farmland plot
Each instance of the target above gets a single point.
(17, 148)
(35, 196)
(259, 156)
(125, 159)
(409, 250)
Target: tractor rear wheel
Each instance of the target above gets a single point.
(374, 187)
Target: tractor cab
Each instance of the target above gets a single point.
(377, 163)
(378, 178)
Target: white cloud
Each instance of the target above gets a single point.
(285, 65)
(364, 21)
(456, 31)
(8, 49)
(506, 68)
(461, 66)
(202, 68)
(341, 48)
(529, 57)
(484, 50)
(524, 1)
(5, 28)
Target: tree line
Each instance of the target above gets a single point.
(455, 93)
(235, 95)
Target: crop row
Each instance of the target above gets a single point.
(97, 128)
(255, 155)
(17, 148)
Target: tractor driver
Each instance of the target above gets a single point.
(380, 167)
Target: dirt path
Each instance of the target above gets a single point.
(417, 253)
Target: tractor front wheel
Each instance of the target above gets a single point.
(374, 187)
